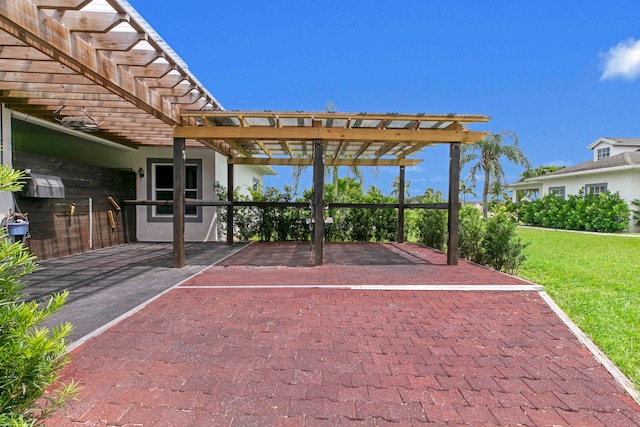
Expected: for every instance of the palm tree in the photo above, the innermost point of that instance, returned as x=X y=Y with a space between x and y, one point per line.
x=351 y=170
x=540 y=170
x=396 y=187
x=486 y=156
x=330 y=170
x=497 y=191
x=466 y=190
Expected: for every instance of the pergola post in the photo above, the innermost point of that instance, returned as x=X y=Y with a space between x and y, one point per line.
x=178 y=202
x=401 y=206
x=454 y=203
x=318 y=198
x=230 y=207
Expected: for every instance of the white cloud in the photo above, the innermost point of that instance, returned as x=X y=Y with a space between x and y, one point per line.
x=622 y=60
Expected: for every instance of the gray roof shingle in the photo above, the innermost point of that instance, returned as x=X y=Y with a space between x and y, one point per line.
x=626 y=141
x=629 y=158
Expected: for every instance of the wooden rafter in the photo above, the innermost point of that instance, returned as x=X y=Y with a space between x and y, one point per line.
x=308 y=161
x=285 y=138
x=65 y=53
x=332 y=134
x=262 y=146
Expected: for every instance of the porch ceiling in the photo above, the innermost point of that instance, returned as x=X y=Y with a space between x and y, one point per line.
x=361 y=139
x=95 y=59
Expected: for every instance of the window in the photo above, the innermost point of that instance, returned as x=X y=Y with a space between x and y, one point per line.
x=557 y=191
x=595 y=188
x=160 y=187
x=256 y=184
x=604 y=152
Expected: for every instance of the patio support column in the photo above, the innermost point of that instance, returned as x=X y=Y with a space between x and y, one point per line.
x=179 y=156
x=318 y=197
x=454 y=203
x=230 y=207
x=401 y=206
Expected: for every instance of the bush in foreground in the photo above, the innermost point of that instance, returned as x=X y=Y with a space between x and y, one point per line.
x=30 y=356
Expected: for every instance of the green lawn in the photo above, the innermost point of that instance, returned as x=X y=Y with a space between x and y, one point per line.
x=595 y=279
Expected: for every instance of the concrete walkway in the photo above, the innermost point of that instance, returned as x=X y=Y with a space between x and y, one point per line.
x=105 y=284
x=383 y=334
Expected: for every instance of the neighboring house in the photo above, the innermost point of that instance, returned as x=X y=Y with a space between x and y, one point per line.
x=126 y=107
x=615 y=167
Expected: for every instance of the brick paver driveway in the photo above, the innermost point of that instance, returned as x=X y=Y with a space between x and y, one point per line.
x=381 y=334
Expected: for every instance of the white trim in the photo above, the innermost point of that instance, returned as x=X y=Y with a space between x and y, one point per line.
x=547 y=177
x=599 y=141
x=614 y=142
x=456 y=288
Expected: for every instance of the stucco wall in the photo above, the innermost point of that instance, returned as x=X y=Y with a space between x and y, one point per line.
x=35 y=139
x=214 y=168
x=6 y=200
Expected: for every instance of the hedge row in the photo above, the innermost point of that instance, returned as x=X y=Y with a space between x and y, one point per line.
x=490 y=242
x=606 y=212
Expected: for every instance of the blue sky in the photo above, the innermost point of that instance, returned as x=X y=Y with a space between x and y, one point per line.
x=558 y=74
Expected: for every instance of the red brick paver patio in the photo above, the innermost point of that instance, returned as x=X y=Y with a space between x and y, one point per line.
x=212 y=352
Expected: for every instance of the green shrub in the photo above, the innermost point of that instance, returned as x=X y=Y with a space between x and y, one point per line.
x=30 y=356
x=431 y=224
x=360 y=224
x=384 y=221
x=606 y=212
x=470 y=232
x=501 y=247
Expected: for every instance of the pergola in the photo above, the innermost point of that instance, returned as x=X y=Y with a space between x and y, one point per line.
x=97 y=62
x=319 y=140
x=60 y=59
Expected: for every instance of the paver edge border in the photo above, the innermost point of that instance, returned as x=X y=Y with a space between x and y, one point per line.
x=461 y=288
x=615 y=372
x=108 y=325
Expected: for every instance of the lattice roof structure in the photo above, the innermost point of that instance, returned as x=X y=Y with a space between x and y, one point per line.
x=361 y=139
x=83 y=60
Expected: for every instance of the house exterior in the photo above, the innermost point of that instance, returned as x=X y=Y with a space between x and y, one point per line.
x=88 y=110
x=91 y=171
x=615 y=167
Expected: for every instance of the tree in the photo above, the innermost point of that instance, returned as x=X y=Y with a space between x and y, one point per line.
x=486 y=156
x=540 y=170
x=466 y=190
x=497 y=191
x=531 y=173
x=351 y=170
x=330 y=171
x=396 y=187
x=30 y=356
x=431 y=224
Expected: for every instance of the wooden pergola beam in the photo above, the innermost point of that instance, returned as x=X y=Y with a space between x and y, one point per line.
x=24 y=21
x=306 y=161
x=349 y=116
x=328 y=134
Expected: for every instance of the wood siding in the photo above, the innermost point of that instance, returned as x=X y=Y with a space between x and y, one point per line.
x=54 y=232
